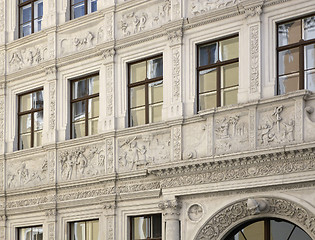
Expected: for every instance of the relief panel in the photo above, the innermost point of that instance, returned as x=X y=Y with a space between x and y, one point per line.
x=276 y=126
x=82 y=162
x=231 y=133
x=27 y=172
x=135 y=21
x=194 y=141
x=309 y=121
x=197 y=7
x=137 y=152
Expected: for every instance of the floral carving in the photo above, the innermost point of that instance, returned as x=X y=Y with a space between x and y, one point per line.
x=176 y=74
x=109 y=89
x=254 y=62
x=177 y=143
x=200 y=7
x=110 y=155
x=222 y=221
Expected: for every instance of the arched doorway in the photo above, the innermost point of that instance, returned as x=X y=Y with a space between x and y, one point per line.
x=268 y=229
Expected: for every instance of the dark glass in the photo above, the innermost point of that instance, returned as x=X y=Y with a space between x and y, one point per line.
x=208 y=54
x=38 y=99
x=79 y=89
x=78 y=10
x=155 y=68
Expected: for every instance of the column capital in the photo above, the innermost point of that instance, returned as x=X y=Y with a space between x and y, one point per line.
x=171 y=208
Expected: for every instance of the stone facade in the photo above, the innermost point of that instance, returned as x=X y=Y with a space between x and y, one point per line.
x=198 y=169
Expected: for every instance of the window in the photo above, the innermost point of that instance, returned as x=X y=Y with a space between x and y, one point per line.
x=30 y=115
x=31 y=14
x=82 y=7
x=145 y=91
x=296 y=55
x=84 y=230
x=84 y=106
x=268 y=229
x=217 y=73
x=30 y=233
x=146 y=227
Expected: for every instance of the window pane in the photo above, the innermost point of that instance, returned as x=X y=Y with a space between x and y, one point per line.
x=38 y=9
x=25 y=123
x=92 y=126
x=26 y=13
x=76 y=1
x=229 y=49
x=37 y=233
x=78 y=10
x=280 y=230
x=25 y=233
x=229 y=75
x=141 y=228
x=208 y=54
x=25 y=141
x=38 y=120
x=229 y=96
x=137 y=96
x=299 y=234
x=38 y=24
x=26 y=29
x=92 y=230
x=289 y=61
x=92 y=6
x=289 y=33
x=207 y=100
x=310 y=80
x=37 y=99
x=79 y=89
x=155 y=113
x=38 y=138
x=137 y=72
x=25 y=102
x=78 y=109
x=77 y=231
x=309 y=28
x=155 y=68
x=255 y=231
x=288 y=83
x=93 y=85
x=137 y=116
x=78 y=129
x=207 y=80
x=157 y=226
x=155 y=92
x=93 y=107
x=309 y=58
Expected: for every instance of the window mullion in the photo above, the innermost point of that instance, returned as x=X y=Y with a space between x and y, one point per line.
x=86 y=116
x=85 y=6
x=32 y=129
x=218 y=86
x=146 y=102
x=32 y=21
x=301 y=70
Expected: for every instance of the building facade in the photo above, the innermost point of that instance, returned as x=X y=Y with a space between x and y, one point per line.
x=157 y=119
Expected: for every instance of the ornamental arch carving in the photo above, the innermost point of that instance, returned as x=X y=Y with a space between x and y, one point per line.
x=236 y=213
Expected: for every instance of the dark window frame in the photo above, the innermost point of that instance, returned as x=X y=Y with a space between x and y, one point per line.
x=81 y=221
x=85 y=8
x=32 y=112
x=144 y=82
x=300 y=44
x=36 y=226
x=21 y=5
x=218 y=65
x=84 y=98
x=145 y=215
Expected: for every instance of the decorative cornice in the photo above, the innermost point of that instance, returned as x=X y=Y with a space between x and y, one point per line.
x=228 y=217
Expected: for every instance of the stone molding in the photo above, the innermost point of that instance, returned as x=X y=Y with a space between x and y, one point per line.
x=221 y=222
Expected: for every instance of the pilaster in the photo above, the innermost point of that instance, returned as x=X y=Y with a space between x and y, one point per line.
x=109 y=224
x=2 y=225
x=51 y=224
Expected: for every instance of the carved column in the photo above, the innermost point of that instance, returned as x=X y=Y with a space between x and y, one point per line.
x=107 y=116
x=2 y=22
x=171 y=215
x=51 y=221
x=109 y=214
x=49 y=134
x=252 y=15
x=2 y=117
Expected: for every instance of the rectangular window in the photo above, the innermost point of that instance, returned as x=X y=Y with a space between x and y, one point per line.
x=30 y=116
x=84 y=106
x=84 y=230
x=145 y=91
x=217 y=73
x=30 y=15
x=82 y=7
x=30 y=233
x=146 y=227
x=296 y=55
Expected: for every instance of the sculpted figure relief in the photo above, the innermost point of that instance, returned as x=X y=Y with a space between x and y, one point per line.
x=139 y=151
x=200 y=6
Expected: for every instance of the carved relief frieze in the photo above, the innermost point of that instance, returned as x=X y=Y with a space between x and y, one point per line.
x=27 y=173
x=194 y=141
x=51 y=156
x=52 y=110
x=1 y=176
x=2 y=63
x=231 y=133
x=198 y=7
x=136 y=187
x=139 y=151
x=195 y=212
x=109 y=26
x=82 y=162
x=2 y=22
x=110 y=155
x=18 y=202
x=27 y=57
x=277 y=126
x=138 y=20
x=309 y=121
x=176 y=74
x=254 y=58
x=177 y=143
x=2 y=117
x=81 y=42
x=51 y=231
x=175 y=37
x=176 y=9
x=223 y=220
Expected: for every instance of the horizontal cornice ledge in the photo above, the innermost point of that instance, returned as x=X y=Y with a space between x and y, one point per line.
x=146 y=194
x=130 y=4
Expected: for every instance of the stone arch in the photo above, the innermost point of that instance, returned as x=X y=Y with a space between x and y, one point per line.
x=226 y=219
